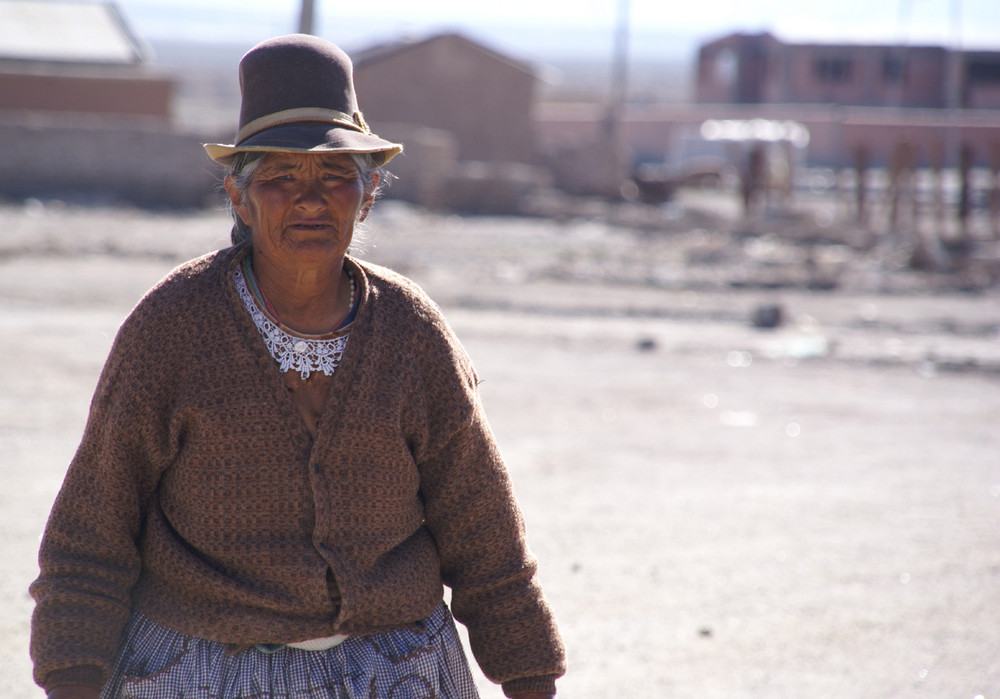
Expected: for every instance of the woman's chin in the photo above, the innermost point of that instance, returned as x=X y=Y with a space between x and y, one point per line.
x=315 y=250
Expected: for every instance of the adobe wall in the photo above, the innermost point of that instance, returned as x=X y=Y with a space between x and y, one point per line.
x=835 y=133
x=96 y=94
x=145 y=162
x=94 y=158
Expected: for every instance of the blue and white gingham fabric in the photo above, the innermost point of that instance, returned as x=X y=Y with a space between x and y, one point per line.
x=158 y=663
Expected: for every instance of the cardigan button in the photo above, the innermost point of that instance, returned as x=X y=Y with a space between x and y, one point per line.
x=315 y=468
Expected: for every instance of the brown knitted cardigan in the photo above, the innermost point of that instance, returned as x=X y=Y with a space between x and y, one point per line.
x=198 y=496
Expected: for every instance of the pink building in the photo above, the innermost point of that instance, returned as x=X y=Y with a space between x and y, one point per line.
x=760 y=69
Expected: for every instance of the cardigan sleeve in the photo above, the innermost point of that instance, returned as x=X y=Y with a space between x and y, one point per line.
x=472 y=512
x=89 y=559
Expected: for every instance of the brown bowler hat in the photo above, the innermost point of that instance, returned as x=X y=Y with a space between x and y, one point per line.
x=298 y=96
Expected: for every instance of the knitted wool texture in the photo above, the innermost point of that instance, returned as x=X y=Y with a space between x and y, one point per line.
x=198 y=496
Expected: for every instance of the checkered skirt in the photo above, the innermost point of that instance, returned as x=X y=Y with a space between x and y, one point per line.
x=158 y=663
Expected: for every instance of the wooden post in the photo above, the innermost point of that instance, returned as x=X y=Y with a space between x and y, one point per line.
x=937 y=195
x=900 y=180
x=966 y=159
x=995 y=190
x=861 y=184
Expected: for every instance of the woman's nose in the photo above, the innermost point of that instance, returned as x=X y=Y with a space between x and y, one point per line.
x=309 y=191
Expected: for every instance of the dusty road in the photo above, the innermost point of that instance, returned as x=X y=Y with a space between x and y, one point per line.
x=720 y=511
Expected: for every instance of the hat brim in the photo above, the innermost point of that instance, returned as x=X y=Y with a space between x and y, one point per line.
x=308 y=137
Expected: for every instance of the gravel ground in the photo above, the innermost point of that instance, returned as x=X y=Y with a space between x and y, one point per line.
x=720 y=510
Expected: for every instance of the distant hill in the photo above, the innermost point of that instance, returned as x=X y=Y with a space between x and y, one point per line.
x=208 y=93
x=197 y=54
x=650 y=81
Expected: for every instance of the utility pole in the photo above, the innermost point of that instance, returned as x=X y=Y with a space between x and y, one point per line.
x=306 y=17
x=618 y=93
x=612 y=151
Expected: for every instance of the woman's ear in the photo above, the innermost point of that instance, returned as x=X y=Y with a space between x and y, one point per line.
x=366 y=204
x=236 y=198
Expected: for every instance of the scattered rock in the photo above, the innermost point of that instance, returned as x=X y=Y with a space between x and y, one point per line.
x=768 y=316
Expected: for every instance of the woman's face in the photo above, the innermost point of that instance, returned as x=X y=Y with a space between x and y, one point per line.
x=302 y=207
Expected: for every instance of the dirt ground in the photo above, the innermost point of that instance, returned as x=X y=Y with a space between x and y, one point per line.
x=720 y=509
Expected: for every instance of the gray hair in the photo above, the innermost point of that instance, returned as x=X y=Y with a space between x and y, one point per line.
x=243 y=165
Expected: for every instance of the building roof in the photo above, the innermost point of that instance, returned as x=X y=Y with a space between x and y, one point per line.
x=376 y=54
x=64 y=31
x=772 y=40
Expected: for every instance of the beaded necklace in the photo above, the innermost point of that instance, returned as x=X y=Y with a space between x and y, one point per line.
x=262 y=300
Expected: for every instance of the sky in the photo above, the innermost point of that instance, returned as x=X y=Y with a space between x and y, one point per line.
x=582 y=28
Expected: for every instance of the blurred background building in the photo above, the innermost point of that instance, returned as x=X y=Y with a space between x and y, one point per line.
x=85 y=113
x=760 y=69
x=86 y=110
x=466 y=115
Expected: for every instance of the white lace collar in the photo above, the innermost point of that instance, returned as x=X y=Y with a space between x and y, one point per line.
x=302 y=354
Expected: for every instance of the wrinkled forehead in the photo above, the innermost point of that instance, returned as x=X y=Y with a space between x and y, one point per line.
x=309 y=161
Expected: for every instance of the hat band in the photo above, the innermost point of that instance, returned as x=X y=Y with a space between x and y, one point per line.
x=356 y=122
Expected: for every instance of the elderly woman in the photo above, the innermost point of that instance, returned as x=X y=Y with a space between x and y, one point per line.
x=286 y=457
